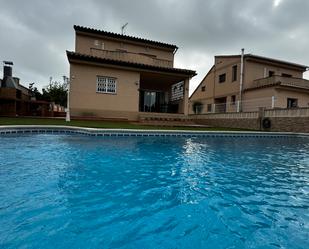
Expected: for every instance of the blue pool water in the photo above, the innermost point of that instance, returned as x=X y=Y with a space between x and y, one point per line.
x=61 y=191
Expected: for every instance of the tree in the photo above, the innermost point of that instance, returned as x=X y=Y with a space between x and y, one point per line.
x=35 y=92
x=56 y=92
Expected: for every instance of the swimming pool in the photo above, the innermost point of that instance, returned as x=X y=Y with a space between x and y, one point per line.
x=74 y=191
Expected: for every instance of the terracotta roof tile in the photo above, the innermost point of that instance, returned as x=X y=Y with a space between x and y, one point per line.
x=258 y=57
x=125 y=37
x=89 y=58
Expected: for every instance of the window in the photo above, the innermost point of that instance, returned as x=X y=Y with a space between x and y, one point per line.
x=292 y=103
x=203 y=88
x=286 y=75
x=222 y=78
x=106 y=84
x=271 y=73
x=265 y=72
x=209 y=107
x=233 y=100
x=98 y=44
x=234 y=73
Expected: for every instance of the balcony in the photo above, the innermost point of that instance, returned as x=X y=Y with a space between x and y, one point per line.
x=282 y=81
x=131 y=57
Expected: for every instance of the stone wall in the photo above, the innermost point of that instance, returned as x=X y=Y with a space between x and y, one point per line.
x=291 y=120
x=290 y=124
x=241 y=123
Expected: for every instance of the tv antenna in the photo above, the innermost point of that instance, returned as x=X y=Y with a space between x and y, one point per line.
x=123 y=28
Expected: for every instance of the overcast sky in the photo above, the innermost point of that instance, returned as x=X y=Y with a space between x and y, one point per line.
x=36 y=33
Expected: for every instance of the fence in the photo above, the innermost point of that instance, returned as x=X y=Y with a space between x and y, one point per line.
x=291 y=120
x=250 y=105
x=295 y=112
x=262 y=112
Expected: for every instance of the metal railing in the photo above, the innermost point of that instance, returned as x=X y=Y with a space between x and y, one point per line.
x=251 y=105
x=250 y=109
x=130 y=57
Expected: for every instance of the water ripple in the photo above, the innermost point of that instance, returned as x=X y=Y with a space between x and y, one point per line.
x=84 y=192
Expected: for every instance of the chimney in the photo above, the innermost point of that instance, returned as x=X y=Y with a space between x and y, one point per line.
x=8 y=81
x=7 y=69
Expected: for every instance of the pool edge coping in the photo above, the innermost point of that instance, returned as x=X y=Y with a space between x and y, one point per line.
x=13 y=129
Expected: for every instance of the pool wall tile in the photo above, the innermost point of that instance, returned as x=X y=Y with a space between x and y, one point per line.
x=7 y=130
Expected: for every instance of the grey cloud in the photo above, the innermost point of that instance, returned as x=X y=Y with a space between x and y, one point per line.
x=35 y=34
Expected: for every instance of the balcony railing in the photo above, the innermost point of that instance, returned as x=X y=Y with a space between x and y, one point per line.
x=130 y=57
x=284 y=81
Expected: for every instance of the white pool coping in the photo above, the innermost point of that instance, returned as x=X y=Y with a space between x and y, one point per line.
x=13 y=129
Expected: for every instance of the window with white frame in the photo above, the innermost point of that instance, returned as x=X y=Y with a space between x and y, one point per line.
x=106 y=84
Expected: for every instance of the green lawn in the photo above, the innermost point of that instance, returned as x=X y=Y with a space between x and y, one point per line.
x=98 y=124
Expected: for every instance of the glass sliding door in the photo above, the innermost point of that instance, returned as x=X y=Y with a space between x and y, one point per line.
x=149 y=101
x=152 y=101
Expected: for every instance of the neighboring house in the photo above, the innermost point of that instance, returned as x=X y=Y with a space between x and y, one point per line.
x=15 y=99
x=267 y=82
x=120 y=76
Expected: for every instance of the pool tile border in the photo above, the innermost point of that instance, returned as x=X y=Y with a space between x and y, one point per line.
x=23 y=129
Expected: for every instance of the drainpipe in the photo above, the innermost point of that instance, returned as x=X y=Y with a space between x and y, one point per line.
x=241 y=78
x=174 y=52
x=68 y=81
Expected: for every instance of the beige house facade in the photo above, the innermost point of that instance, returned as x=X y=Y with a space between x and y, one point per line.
x=119 y=76
x=245 y=83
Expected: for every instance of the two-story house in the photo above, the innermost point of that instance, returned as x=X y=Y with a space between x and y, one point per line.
x=119 y=76
x=247 y=82
x=14 y=97
x=17 y=100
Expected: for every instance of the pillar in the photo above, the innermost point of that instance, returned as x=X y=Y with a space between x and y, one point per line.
x=186 y=97
x=273 y=99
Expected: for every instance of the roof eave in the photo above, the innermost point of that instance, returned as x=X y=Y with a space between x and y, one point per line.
x=276 y=61
x=78 y=28
x=72 y=56
x=202 y=81
x=257 y=57
x=277 y=85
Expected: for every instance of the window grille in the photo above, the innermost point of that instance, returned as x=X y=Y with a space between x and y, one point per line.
x=106 y=84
